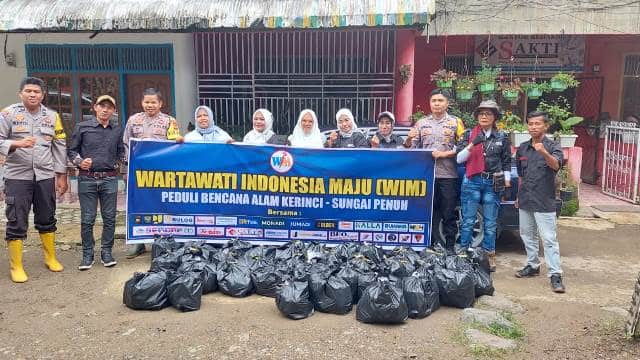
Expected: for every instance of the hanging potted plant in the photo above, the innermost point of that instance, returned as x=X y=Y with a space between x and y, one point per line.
x=443 y=78
x=534 y=89
x=561 y=81
x=486 y=78
x=511 y=90
x=465 y=89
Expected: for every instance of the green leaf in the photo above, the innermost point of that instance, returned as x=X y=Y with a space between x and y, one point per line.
x=571 y=122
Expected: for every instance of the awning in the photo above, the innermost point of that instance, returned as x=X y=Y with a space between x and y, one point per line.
x=198 y=15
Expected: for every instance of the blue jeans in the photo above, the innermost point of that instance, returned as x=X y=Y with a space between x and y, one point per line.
x=91 y=191
x=545 y=224
x=476 y=191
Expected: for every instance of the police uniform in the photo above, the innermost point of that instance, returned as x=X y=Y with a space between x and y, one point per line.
x=30 y=178
x=442 y=135
x=142 y=126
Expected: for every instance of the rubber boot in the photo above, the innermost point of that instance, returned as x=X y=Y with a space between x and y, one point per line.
x=49 y=248
x=15 y=260
x=492 y=261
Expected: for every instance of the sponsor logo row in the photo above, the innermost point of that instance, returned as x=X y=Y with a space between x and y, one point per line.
x=206 y=220
x=246 y=232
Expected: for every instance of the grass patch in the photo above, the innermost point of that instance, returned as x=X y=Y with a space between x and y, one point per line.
x=483 y=352
x=515 y=333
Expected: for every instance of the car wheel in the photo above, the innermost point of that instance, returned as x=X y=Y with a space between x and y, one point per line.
x=478 y=229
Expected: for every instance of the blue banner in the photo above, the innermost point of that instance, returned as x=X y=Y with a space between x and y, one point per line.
x=273 y=194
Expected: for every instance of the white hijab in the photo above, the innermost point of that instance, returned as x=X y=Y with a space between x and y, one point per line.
x=255 y=137
x=312 y=140
x=354 y=126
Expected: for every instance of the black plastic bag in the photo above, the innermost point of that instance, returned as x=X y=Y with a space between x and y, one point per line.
x=315 y=252
x=421 y=295
x=458 y=263
x=362 y=264
x=235 y=280
x=166 y=262
x=261 y=253
x=479 y=257
x=266 y=280
x=350 y=276
x=406 y=253
x=208 y=272
x=382 y=303
x=330 y=295
x=364 y=281
x=194 y=252
x=483 y=282
x=345 y=251
x=372 y=252
x=146 y=291
x=293 y=300
x=456 y=288
x=399 y=267
x=162 y=245
x=293 y=249
x=238 y=246
x=184 y=290
x=433 y=258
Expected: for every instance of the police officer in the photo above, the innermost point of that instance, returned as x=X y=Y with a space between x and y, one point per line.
x=487 y=154
x=439 y=132
x=150 y=124
x=33 y=140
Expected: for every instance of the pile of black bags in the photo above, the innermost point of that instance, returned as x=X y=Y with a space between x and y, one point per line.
x=385 y=286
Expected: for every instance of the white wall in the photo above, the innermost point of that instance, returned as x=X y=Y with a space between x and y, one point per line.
x=184 y=62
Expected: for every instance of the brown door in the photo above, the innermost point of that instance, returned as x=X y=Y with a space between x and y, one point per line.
x=136 y=84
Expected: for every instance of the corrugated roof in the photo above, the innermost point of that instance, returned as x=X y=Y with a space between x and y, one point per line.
x=167 y=15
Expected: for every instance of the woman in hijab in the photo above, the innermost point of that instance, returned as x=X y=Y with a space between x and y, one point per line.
x=206 y=129
x=262 y=125
x=347 y=135
x=385 y=138
x=307 y=134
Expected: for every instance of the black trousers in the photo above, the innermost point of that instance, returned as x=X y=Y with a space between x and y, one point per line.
x=19 y=196
x=445 y=198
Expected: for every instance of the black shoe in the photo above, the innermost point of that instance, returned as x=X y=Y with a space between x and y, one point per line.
x=527 y=271
x=556 y=284
x=107 y=259
x=86 y=263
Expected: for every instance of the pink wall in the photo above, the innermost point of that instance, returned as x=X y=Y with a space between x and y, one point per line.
x=608 y=51
x=405 y=55
x=429 y=57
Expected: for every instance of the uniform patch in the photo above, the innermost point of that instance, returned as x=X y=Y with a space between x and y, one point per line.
x=19 y=117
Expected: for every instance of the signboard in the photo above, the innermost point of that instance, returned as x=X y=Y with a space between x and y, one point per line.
x=550 y=52
x=268 y=194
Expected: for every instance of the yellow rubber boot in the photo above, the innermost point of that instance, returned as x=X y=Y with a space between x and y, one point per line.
x=48 y=246
x=15 y=260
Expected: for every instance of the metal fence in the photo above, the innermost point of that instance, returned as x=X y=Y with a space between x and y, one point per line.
x=287 y=71
x=621 y=163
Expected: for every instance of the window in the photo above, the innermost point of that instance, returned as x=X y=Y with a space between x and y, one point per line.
x=631 y=89
x=76 y=75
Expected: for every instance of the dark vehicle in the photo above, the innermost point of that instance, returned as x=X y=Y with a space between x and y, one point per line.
x=508 y=218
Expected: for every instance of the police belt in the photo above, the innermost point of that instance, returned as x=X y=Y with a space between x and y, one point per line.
x=98 y=174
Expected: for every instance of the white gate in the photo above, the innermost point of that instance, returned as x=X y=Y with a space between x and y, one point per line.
x=621 y=161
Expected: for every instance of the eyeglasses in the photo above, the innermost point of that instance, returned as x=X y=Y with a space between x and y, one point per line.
x=485 y=113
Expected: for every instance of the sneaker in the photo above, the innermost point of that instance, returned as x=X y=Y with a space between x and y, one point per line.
x=527 y=271
x=107 y=259
x=136 y=250
x=556 y=284
x=86 y=263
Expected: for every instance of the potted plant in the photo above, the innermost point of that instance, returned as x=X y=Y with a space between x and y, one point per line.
x=443 y=78
x=567 y=188
x=534 y=89
x=486 y=78
x=512 y=123
x=466 y=117
x=465 y=89
x=511 y=90
x=566 y=134
x=561 y=81
x=560 y=114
